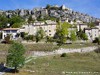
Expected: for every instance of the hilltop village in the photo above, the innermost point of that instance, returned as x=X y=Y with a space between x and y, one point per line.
x=27 y=24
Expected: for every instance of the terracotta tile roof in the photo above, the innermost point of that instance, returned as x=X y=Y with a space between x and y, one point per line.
x=10 y=28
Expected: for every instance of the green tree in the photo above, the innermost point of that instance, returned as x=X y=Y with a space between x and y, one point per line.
x=91 y=24
x=30 y=19
x=61 y=37
x=3 y=21
x=16 y=21
x=15 y=57
x=29 y=37
x=40 y=34
x=62 y=32
x=23 y=34
x=84 y=36
x=73 y=36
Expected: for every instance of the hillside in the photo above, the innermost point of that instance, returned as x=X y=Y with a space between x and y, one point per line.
x=50 y=12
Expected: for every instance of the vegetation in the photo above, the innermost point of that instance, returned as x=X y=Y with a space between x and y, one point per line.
x=23 y=35
x=14 y=21
x=73 y=36
x=97 y=40
x=63 y=55
x=56 y=65
x=62 y=33
x=30 y=19
x=51 y=7
x=8 y=40
x=29 y=37
x=91 y=24
x=82 y=35
x=0 y=35
x=3 y=21
x=40 y=34
x=15 y=57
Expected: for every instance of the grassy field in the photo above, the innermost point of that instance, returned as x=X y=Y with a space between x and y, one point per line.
x=56 y=65
x=39 y=47
x=46 y=46
x=78 y=45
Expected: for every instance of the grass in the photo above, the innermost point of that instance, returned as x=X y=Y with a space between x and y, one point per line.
x=41 y=47
x=56 y=65
x=78 y=45
x=46 y=46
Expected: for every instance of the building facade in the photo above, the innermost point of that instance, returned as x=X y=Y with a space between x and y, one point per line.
x=92 y=33
x=12 y=32
x=49 y=28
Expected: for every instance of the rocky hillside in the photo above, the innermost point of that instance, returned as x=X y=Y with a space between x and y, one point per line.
x=49 y=12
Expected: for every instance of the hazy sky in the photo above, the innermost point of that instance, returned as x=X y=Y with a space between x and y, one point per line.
x=91 y=7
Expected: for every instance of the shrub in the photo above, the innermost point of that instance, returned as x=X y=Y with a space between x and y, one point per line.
x=97 y=40
x=29 y=37
x=7 y=38
x=63 y=55
x=0 y=35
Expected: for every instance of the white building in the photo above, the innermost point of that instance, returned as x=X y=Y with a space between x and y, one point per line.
x=81 y=26
x=49 y=27
x=92 y=33
x=10 y=31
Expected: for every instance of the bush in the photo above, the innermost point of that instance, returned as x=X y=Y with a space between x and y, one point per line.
x=97 y=40
x=23 y=34
x=7 y=38
x=0 y=35
x=63 y=55
x=29 y=37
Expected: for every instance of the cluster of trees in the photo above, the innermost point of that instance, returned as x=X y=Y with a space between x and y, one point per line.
x=62 y=33
x=14 y=21
x=82 y=35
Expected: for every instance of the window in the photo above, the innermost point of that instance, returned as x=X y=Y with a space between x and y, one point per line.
x=50 y=34
x=7 y=31
x=49 y=30
x=14 y=31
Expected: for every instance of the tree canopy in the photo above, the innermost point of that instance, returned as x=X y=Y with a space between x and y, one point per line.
x=40 y=34
x=73 y=36
x=62 y=32
x=15 y=57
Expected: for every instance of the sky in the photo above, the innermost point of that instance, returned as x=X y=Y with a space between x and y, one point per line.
x=91 y=7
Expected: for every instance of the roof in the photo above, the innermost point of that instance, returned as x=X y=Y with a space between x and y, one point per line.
x=83 y=24
x=1 y=28
x=90 y=28
x=94 y=28
x=87 y=28
x=10 y=28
